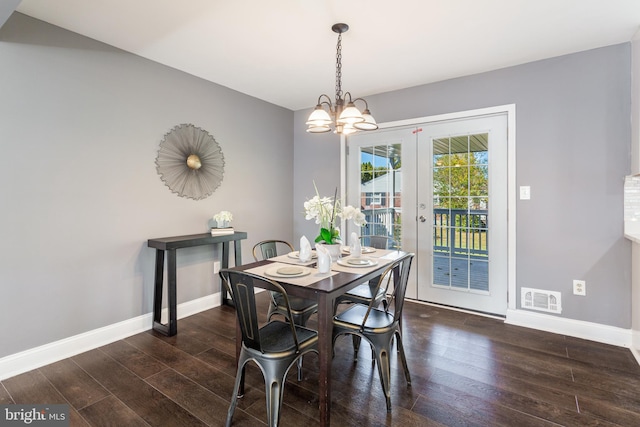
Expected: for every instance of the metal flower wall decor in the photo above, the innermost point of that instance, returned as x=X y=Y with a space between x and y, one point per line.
x=190 y=162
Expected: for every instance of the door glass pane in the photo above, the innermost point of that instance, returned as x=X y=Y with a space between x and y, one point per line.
x=380 y=194
x=460 y=177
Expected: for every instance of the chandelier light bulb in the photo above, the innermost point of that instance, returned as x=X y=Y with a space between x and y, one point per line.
x=319 y=117
x=348 y=129
x=368 y=123
x=350 y=115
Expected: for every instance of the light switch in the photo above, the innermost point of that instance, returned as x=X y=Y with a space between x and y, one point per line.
x=525 y=192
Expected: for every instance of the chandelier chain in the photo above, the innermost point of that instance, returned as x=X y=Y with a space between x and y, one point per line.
x=339 y=68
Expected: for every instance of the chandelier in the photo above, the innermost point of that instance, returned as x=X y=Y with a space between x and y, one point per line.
x=343 y=113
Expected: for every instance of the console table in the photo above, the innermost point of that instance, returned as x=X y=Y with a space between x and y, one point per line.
x=170 y=244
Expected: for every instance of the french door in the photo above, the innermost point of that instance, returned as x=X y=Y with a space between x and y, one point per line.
x=440 y=189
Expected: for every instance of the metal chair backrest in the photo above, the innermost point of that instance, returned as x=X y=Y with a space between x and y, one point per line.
x=241 y=286
x=397 y=274
x=397 y=298
x=377 y=242
x=270 y=248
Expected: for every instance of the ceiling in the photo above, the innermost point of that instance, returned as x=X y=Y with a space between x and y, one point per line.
x=283 y=51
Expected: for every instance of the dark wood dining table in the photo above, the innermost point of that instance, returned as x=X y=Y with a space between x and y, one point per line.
x=324 y=291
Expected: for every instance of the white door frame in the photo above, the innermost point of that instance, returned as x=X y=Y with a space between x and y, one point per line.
x=510 y=110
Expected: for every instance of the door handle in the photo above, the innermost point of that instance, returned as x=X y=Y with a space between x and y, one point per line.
x=422 y=218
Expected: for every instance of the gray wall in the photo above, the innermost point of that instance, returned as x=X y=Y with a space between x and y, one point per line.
x=80 y=126
x=573 y=149
x=6 y=9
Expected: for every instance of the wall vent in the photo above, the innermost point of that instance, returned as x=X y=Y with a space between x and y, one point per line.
x=538 y=299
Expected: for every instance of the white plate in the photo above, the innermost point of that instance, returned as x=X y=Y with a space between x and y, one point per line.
x=357 y=262
x=291 y=271
x=296 y=254
x=365 y=249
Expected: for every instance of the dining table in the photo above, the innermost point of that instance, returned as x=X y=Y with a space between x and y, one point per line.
x=345 y=274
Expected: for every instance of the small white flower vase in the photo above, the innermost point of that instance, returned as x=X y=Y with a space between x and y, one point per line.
x=222 y=223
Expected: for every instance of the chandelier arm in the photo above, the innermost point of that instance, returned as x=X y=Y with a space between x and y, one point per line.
x=348 y=94
x=366 y=105
x=327 y=102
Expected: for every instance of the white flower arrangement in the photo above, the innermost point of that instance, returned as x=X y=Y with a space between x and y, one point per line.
x=326 y=211
x=223 y=217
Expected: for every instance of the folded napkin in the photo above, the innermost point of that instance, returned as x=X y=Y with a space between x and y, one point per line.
x=305 y=250
x=324 y=259
x=354 y=246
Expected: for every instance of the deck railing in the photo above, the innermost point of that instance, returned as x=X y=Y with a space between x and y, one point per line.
x=456 y=232
x=382 y=222
x=460 y=232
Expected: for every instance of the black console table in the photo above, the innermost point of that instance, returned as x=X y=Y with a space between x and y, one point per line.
x=170 y=244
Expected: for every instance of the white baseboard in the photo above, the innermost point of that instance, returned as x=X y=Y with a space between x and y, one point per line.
x=28 y=360
x=635 y=345
x=574 y=328
x=636 y=354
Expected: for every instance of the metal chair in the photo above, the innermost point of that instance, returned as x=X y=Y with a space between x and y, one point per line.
x=274 y=347
x=300 y=309
x=378 y=242
x=380 y=326
x=271 y=248
x=364 y=293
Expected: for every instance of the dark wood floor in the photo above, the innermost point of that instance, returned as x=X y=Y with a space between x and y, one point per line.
x=467 y=371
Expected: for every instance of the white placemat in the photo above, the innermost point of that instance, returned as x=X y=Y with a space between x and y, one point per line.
x=289 y=260
x=360 y=270
x=379 y=253
x=366 y=250
x=307 y=280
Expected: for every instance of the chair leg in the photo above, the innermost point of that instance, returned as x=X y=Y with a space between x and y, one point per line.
x=384 y=368
x=301 y=321
x=274 y=402
x=240 y=391
x=237 y=392
x=356 y=346
x=274 y=383
x=403 y=358
x=300 y=368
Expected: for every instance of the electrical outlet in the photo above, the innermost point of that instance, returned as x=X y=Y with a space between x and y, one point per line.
x=216 y=267
x=580 y=287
